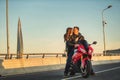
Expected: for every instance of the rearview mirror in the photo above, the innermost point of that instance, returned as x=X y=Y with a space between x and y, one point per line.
x=95 y=42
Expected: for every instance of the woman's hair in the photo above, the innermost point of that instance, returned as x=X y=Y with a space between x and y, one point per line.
x=67 y=34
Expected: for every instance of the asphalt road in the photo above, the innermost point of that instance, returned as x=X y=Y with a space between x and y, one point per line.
x=103 y=72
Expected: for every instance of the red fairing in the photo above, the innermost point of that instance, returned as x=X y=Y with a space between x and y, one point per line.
x=76 y=57
x=80 y=51
x=90 y=52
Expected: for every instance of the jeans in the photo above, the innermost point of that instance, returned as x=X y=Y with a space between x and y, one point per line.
x=68 y=62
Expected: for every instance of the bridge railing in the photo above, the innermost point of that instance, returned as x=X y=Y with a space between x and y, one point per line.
x=33 y=55
x=108 y=54
x=43 y=55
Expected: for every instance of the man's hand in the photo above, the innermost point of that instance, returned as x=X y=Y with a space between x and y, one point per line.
x=76 y=45
x=77 y=39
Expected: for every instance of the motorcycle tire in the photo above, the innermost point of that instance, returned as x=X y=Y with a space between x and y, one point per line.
x=86 y=70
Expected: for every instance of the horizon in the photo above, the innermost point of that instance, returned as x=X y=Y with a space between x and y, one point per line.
x=44 y=23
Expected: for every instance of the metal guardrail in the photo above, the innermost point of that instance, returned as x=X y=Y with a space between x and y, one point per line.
x=108 y=54
x=33 y=55
x=43 y=55
x=97 y=54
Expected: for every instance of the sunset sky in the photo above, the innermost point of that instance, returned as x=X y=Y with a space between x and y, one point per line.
x=44 y=23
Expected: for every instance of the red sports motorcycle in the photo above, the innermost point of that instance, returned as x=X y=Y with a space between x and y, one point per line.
x=81 y=60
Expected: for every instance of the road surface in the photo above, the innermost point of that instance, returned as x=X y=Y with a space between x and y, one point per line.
x=103 y=72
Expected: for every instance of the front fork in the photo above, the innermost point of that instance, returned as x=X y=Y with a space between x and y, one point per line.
x=83 y=61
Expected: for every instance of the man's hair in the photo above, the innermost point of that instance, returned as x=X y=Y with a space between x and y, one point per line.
x=76 y=27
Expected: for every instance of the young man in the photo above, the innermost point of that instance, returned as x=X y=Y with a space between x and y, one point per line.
x=71 y=43
x=80 y=40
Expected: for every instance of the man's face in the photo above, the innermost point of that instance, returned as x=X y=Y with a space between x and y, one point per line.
x=75 y=31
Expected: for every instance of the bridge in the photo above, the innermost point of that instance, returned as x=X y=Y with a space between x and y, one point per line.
x=44 y=66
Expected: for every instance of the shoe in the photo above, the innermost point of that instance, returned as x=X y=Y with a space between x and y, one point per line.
x=0 y=75
x=72 y=73
x=93 y=73
x=65 y=74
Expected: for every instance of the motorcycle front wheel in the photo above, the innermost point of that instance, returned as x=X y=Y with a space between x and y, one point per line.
x=86 y=70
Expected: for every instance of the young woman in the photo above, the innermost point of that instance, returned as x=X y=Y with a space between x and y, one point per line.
x=67 y=37
x=67 y=40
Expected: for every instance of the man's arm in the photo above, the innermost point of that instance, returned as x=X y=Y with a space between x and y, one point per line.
x=70 y=43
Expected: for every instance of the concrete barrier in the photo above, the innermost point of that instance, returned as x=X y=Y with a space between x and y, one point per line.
x=21 y=66
x=31 y=62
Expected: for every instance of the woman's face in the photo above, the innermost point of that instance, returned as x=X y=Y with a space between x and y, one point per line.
x=71 y=32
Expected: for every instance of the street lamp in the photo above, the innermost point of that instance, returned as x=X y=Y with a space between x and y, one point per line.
x=7 y=30
x=103 y=23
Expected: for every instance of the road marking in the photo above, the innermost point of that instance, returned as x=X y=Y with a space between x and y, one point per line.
x=75 y=77
x=107 y=70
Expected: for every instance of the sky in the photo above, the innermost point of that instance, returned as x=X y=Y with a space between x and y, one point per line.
x=44 y=23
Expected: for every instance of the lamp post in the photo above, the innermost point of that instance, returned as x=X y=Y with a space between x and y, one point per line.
x=103 y=23
x=7 y=30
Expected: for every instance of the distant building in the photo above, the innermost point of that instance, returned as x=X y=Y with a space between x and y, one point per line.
x=113 y=52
